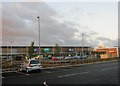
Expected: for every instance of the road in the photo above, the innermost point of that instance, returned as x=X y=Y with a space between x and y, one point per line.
x=97 y=73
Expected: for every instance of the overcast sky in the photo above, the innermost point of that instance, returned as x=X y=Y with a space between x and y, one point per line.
x=60 y=22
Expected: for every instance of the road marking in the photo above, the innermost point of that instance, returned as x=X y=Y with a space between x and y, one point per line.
x=108 y=68
x=40 y=73
x=20 y=72
x=73 y=74
x=48 y=72
x=2 y=77
x=11 y=76
x=33 y=73
x=23 y=74
x=7 y=72
x=27 y=74
x=101 y=65
x=92 y=66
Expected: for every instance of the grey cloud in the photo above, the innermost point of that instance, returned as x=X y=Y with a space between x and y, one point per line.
x=104 y=39
x=107 y=42
x=20 y=24
x=57 y=31
x=92 y=33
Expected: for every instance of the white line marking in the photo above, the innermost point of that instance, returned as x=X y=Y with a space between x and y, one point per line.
x=73 y=74
x=103 y=65
x=7 y=71
x=48 y=72
x=108 y=68
x=20 y=72
x=2 y=77
x=27 y=74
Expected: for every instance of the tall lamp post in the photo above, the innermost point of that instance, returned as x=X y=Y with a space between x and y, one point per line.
x=82 y=43
x=7 y=52
x=39 y=33
x=76 y=49
x=61 y=48
x=11 y=52
x=53 y=51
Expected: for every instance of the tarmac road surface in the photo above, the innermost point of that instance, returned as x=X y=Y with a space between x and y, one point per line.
x=100 y=73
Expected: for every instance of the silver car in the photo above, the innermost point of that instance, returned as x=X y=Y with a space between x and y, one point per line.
x=30 y=65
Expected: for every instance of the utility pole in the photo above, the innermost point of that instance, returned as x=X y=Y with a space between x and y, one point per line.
x=39 y=34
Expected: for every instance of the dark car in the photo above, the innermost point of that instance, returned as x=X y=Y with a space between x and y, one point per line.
x=18 y=57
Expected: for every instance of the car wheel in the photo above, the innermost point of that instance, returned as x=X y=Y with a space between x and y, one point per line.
x=40 y=70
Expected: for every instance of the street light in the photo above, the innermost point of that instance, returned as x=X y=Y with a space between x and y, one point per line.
x=61 y=47
x=82 y=43
x=7 y=52
x=11 y=52
x=39 y=33
x=76 y=49
x=53 y=51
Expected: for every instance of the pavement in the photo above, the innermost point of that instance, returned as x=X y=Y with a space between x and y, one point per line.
x=97 y=73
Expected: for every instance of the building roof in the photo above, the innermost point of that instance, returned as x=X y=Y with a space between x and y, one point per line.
x=64 y=46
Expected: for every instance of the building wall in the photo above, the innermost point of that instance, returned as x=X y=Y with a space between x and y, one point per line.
x=23 y=50
x=109 y=52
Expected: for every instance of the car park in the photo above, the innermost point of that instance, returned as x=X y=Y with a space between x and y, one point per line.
x=30 y=65
x=60 y=57
x=18 y=57
x=68 y=57
x=77 y=57
x=84 y=57
x=44 y=58
x=55 y=58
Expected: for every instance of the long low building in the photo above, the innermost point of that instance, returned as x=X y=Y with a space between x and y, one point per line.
x=46 y=50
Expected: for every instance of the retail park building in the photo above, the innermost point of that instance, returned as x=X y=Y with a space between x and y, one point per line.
x=101 y=52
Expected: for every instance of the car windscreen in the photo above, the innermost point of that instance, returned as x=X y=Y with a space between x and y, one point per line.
x=34 y=62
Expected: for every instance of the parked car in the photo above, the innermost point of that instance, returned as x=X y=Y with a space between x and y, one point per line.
x=18 y=57
x=45 y=58
x=68 y=57
x=30 y=65
x=55 y=58
x=84 y=57
x=77 y=57
x=60 y=57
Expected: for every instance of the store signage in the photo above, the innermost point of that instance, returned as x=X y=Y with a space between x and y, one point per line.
x=46 y=50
